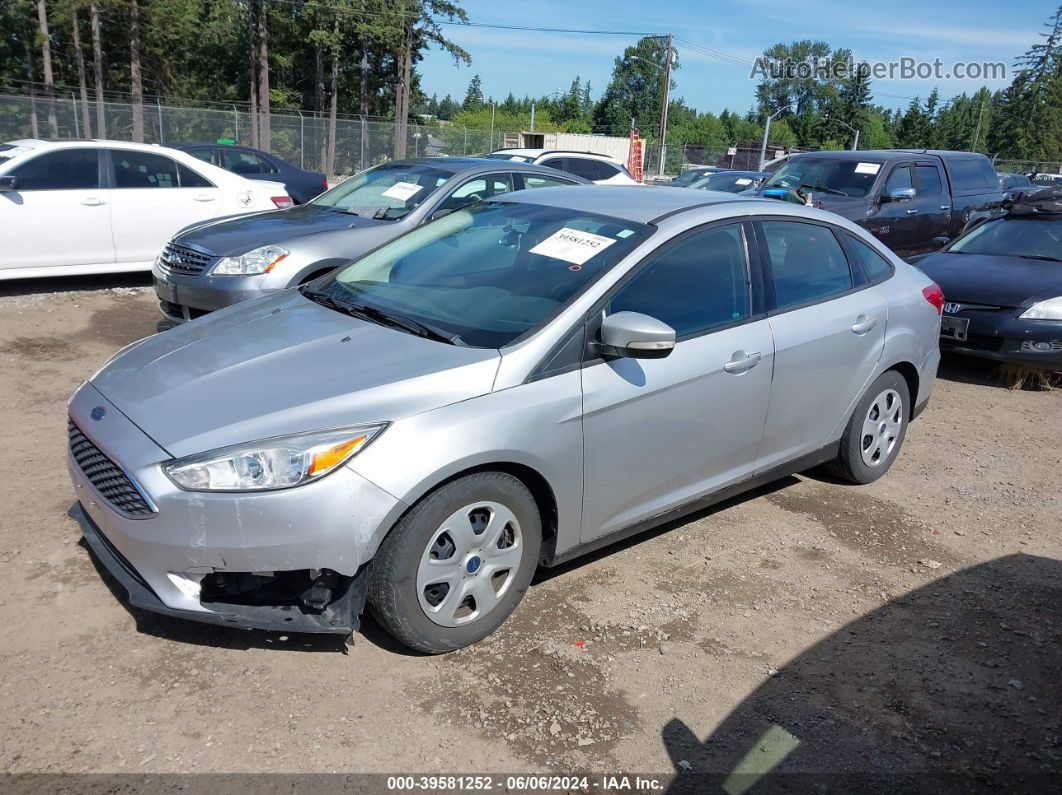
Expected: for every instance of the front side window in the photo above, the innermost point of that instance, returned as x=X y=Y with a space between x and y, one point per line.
x=807 y=262
x=486 y=273
x=387 y=192
x=70 y=169
x=143 y=170
x=206 y=155
x=478 y=189
x=694 y=285
x=899 y=179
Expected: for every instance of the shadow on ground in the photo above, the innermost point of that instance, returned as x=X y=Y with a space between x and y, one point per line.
x=64 y=284
x=954 y=687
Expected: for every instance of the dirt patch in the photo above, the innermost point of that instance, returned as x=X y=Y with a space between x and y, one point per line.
x=41 y=349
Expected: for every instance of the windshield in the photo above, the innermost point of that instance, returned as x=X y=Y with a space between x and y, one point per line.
x=724 y=181
x=1014 y=237
x=488 y=273
x=387 y=192
x=691 y=175
x=830 y=175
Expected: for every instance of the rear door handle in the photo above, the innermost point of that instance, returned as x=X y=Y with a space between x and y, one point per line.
x=92 y=202
x=204 y=197
x=864 y=324
x=741 y=361
x=945 y=206
x=912 y=212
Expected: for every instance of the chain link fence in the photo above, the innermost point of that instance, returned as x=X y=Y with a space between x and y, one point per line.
x=300 y=138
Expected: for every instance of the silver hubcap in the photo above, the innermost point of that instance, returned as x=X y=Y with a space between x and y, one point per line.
x=469 y=564
x=881 y=428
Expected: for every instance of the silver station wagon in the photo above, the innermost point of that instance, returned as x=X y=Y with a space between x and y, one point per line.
x=509 y=386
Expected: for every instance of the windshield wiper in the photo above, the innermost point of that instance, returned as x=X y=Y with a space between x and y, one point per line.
x=417 y=327
x=323 y=298
x=1044 y=257
x=820 y=186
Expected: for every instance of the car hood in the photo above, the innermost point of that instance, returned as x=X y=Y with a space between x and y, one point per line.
x=991 y=279
x=283 y=364
x=229 y=237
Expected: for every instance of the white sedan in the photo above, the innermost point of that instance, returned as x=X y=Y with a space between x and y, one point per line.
x=76 y=207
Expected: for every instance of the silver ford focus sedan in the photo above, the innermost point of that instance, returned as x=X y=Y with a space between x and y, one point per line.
x=512 y=385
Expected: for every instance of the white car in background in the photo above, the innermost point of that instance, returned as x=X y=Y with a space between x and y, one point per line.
x=601 y=169
x=78 y=207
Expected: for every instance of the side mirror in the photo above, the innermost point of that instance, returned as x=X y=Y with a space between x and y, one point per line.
x=637 y=336
x=940 y=241
x=8 y=182
x=899 y=195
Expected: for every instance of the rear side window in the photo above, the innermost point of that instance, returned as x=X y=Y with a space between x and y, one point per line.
x=807 y=263
x=143 y=170
x=875 y=266
x=70 y=169
x=240 y=162
x=206 y=155
x=928 y=180
x=972 y=174
x=192 y=179
x=540 y=181
x=587 y=169
x=697 y=284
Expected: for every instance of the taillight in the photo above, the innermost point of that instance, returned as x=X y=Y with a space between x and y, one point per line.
x=283 y=202
x=935 y=296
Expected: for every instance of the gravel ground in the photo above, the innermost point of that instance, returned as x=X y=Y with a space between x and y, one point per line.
x=904 y=629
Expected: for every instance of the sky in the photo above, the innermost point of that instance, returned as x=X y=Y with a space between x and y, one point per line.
x=536 y=63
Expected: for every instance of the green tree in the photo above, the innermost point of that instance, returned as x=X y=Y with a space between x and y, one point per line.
x=473 y=95
x=633 y=94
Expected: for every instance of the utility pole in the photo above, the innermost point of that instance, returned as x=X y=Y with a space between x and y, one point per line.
x=977 y=131
x=665 y=98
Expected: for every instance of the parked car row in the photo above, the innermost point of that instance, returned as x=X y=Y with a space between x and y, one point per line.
x=489 y=366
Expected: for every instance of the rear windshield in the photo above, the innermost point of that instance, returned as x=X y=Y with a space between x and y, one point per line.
x=387 y=192
x=972 y=174
x=1037 y=238
x=487 y=273
x=852 y=178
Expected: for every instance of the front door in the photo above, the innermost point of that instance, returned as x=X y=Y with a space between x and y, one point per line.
x=829 y=332
x=660 y=432
x=60 y=215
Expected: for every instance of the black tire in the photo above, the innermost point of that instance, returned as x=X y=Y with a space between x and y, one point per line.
x=849 y=464
x=393 y=597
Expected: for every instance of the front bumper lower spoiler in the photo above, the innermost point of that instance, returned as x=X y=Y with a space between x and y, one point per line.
x=341 y=616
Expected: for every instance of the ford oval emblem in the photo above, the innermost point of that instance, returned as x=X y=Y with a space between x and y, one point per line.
x=98 y=413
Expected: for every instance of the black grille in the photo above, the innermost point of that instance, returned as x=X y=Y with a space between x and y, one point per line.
x=979 y=342
x=181 y=259
x=105 y=476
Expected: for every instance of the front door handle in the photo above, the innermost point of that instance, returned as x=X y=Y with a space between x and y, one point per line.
x=92 y=202
x=204 y=197
x=864 y=324
x=945 y=206
x=741 y=362
x=912 y=212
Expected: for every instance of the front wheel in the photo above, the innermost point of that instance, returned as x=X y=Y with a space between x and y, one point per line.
x=875 y=432
x=455 y=567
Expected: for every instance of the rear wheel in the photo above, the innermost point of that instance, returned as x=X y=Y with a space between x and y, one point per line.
x=456 y=566
x=875 y=432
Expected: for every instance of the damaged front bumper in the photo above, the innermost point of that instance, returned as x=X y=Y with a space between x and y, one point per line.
x=292 y=560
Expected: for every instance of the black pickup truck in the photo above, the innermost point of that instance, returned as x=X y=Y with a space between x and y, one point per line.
x=914 y=201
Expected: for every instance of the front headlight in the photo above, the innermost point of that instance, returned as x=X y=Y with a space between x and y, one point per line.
x=261 y=260
x=277 y=463
x=1051 y=309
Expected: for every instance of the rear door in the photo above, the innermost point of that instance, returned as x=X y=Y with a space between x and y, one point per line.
x=60 y=214
x=932 y=202
x=657 y=433
x=828 y=325
x=153 y=196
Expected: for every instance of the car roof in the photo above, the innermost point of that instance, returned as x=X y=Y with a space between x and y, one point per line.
x=460 y=165
x=630 y=202
x=541 y=152
x=883 y=154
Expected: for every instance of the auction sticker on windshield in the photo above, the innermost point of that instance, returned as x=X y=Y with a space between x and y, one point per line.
x=572 y=245
x=402 y=191
x=868 y=168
